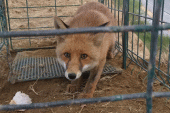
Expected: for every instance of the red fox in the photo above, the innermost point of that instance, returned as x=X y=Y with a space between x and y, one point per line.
x=79 y=53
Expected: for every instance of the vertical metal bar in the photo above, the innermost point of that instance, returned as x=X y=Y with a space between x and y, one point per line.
x=115 y=9
x=37 y=67
x=153 y=8
x=41 y=67
x=49 y=69
x=105 y=2
x=28 y=20
x=9 y=26
x=133 y=23
x=20 y=68
x=51 y=63
x=125 y=34
x=146 y=10
x=3 y=21
x=23 y=69
x=5 y=28
x=26 y=68
x=153 y=46
x=29 y=68
x=101 y=1
x=138 y=32
x=55 y=7
x=118 y=20
x=108 y=3
x=33 y=68
x=168 y=64
x=7 y=18
x=160 y=51
x=44 y=68
x=122 y=16
x=7 y=9
x=111 y=6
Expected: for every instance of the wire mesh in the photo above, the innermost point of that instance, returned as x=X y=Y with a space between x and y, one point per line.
x=30 y=15
x=137 y=51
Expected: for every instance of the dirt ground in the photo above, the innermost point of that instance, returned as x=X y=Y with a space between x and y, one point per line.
x=131 y=80
x=55 y=89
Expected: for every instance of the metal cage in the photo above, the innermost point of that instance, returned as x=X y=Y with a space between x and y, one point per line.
x=132 y=20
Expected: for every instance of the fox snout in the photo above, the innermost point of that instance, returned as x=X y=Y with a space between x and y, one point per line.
x=72 y=76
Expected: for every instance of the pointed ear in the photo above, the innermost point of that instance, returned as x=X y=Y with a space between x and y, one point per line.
x=103 y=25
x=59 y=24
x=61 y=39
x=98 y=38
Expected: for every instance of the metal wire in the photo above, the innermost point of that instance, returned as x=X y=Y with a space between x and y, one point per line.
x=151 y=67
x=83 y=101
x=139 y=28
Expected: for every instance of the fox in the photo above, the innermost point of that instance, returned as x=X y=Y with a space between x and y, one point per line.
x=79 y=53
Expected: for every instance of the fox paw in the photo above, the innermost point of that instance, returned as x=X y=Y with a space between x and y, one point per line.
x=72 y=88
x=110 y=55
x=85 y=95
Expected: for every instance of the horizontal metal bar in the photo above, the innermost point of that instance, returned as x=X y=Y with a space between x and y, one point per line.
x=22 y=38
x=32 y=28
x=31 y=49
x=37 y=17
x=137 y=15
x=139 y=28
x=43 y=6
x=161 y=94
x=83 y=101
x=73 y=102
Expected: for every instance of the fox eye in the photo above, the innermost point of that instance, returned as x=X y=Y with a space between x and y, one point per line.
x=84 y=56
x=67 y=55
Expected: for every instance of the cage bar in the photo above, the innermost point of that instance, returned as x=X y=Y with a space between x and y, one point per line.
x=153 y=51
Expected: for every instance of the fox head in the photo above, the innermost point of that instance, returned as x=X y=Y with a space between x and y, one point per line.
x=77 y=53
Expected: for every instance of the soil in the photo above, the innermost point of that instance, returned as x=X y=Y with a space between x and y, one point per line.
x=131 y=80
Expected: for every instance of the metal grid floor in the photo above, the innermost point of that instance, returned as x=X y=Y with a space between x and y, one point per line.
x=33 y=68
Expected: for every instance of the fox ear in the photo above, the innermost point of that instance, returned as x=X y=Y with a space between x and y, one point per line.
x=98 y=37
x=103 y=25
x=59 y=24
x=60 y=39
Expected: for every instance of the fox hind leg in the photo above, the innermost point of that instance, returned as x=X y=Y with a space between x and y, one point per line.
x=112 y=50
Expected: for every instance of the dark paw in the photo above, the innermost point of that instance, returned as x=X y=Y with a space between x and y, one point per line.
x=110 y=55
x=85 y=95
x=72 y=88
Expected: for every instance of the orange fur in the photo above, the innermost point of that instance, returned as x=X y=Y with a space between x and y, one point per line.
x=95 y=47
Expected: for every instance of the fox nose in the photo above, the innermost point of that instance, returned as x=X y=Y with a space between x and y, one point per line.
x=72 y=76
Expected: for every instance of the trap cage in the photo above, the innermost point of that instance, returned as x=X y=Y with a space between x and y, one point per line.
x=137 y=39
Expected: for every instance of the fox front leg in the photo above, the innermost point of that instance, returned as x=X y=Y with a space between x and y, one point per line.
x=112 y=51
x=75 y=85
x=92 y=81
